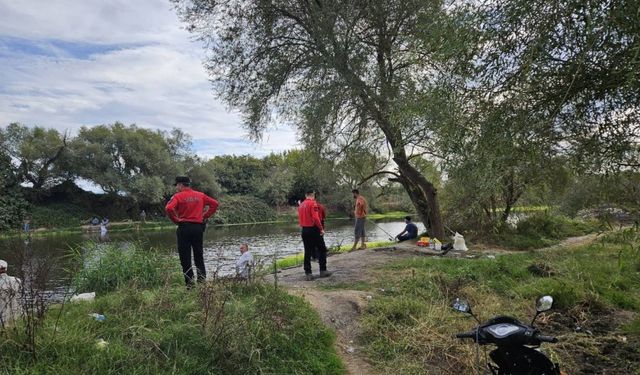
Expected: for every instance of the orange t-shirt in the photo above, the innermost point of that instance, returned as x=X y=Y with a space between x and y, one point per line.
x=361 y=207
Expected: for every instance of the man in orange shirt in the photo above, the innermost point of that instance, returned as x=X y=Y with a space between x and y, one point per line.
x=361 y=217
x=312 y=232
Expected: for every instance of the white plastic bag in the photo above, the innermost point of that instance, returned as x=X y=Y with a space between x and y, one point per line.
x=458 y=243
x=84 y=297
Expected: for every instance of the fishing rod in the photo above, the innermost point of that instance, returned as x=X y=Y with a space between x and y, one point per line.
x=391 y=238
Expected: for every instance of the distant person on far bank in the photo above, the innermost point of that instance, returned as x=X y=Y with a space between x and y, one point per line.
x=143 y=216
x=410 y=230
x=186 y=208
x=244 y=263
x=312 y=232
x=360 y=213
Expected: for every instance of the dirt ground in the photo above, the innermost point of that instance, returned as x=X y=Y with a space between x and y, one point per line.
x=341 y=309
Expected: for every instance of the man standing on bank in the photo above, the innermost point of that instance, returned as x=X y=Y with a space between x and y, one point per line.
x=312 y=232
x=361 y=217
x=187 y=209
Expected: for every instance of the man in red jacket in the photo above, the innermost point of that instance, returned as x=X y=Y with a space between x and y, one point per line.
x=187 y=209
x=312 y=232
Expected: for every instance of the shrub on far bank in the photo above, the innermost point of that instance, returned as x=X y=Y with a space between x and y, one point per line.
x=243 y=209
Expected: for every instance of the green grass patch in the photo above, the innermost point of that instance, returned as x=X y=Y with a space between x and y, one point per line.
x=408 y=325
x=160 y=327
x=297 y=259
x=108 y=267
x=540 y=230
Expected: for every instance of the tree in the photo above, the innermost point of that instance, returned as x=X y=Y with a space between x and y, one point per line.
x=343 y=71
x=128 y=160
x=37 y=152
x=573 y=66
x=12 y=204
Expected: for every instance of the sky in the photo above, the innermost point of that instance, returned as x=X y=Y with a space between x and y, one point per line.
x=71 y=63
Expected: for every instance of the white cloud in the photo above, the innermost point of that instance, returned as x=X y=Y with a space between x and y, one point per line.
x=141 y=67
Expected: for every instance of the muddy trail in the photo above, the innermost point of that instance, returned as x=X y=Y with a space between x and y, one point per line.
x=341 y=306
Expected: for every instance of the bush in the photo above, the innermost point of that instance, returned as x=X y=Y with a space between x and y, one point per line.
x=58 y=215
x=236 y=209
x=540 y=230
x=108 y=267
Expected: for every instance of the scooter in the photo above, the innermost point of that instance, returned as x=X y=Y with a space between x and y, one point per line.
x=516 y=343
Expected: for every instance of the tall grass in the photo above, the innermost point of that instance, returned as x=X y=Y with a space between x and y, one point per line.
x=108 y=267
x=154 y=325
x=408 y=325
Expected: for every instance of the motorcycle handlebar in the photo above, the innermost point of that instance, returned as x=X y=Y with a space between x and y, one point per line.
x=466 y=335
x=543 y=338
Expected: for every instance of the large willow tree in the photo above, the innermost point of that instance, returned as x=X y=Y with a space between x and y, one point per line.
x=346 y=73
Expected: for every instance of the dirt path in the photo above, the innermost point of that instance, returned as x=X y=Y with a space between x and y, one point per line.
x=340 y=307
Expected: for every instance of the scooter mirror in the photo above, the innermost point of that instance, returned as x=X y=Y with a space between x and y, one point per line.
x=544 y=303
x=460 y=304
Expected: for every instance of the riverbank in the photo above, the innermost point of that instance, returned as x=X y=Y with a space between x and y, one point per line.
x=391 y=310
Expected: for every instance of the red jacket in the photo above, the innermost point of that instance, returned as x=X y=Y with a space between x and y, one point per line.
x=188 y=206
x=308 y=214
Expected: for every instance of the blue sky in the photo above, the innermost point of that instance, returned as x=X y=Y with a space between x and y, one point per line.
x=66 y=63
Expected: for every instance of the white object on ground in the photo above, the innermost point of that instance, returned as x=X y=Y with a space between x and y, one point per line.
x=458 y=243
x=83 y=297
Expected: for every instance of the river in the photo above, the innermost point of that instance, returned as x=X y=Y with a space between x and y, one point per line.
x=221 y=243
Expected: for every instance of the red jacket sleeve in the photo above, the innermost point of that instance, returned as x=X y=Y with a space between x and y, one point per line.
x=315 y=213
x=212 y=204
x=170 y=209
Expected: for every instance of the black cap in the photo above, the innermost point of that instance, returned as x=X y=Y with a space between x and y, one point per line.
x=408 y=218
x=183 y=180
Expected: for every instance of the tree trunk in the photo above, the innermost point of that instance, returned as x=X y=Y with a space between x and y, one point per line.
x=423 y=195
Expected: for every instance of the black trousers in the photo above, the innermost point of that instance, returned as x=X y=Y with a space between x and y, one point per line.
x=313 y=244
x=190 y=237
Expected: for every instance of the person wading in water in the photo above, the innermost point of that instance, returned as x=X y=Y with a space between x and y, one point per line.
x=187 y=209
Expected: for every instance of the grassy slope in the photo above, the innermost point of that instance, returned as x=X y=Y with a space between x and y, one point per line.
x=163 y=331
x=155 y=326
x=408 y=326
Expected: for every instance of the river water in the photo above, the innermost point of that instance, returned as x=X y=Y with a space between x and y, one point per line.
x=266 y=241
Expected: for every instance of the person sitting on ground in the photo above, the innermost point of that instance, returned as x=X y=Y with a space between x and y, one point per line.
x=95 y=221
x=9 y=295
x=410 y=230
x=244 y=262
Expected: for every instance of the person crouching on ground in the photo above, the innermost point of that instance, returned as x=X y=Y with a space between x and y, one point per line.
x=9 y=296
x=244 y=263
x=187 y=209
x=410 y=230
x=312 y=232
x=360 y=212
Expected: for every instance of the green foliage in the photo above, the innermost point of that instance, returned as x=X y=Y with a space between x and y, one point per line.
x=408 y=325
x=58 y=215
x=41 y=154
x=169 y=330
x=129 y=160
x=243 y=209
x=12 y=203
x=542 y=229
x=108 y=267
